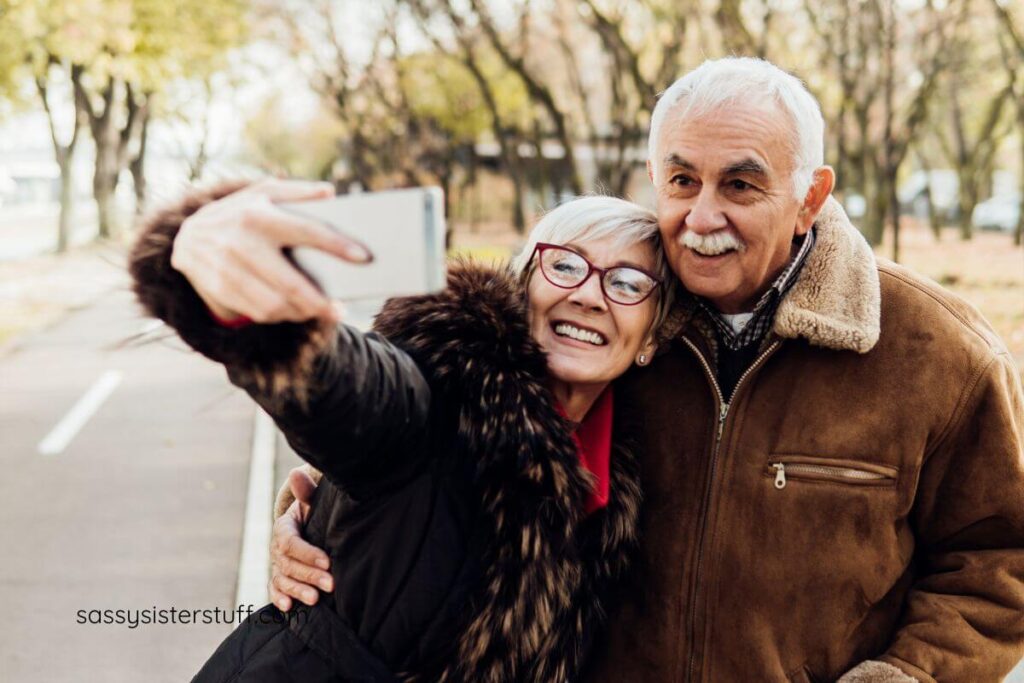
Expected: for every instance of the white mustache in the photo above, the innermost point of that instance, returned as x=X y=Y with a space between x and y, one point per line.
x=712 y=244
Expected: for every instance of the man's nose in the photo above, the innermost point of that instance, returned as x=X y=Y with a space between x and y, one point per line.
x=706 y=213
x=589 y=294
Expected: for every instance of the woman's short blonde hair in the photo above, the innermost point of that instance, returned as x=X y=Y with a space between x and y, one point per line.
x=595 y=218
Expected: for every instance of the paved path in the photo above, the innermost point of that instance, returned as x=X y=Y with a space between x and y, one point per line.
x=142 y=509
x=125 y=474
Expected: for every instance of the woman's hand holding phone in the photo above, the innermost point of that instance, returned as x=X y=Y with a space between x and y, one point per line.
x=231 y=253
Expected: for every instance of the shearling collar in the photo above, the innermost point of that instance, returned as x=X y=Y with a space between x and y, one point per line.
x=836 y=301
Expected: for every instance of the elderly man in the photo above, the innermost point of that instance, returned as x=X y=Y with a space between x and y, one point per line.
x=831 y=445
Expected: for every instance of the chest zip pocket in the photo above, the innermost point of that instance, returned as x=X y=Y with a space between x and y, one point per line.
x=863 y=474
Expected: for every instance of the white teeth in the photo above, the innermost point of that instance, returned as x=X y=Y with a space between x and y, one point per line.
x=567 y=330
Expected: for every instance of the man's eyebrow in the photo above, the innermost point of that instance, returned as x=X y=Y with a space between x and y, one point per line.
x=748 y=166
x=674 y=159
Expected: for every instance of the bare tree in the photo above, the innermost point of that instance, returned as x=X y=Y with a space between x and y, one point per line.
x=633 y=88
x=538 y=90
x=505 y=134
x=886 y=62
x=925 y=164
x=112 y=133
x=973 y=154
x=63 y=152
x=1011 y=49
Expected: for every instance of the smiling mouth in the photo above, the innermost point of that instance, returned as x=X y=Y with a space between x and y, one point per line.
x=563 y=329
x=712 y=251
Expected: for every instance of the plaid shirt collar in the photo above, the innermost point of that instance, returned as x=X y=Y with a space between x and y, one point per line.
x=764 y=312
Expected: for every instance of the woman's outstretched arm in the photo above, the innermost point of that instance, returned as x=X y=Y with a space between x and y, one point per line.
x=214 y=268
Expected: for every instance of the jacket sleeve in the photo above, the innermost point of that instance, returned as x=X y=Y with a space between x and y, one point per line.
x=351 y=404
x=964 y=616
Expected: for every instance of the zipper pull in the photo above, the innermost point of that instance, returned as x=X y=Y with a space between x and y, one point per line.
x=722 y=414
x=780 y=475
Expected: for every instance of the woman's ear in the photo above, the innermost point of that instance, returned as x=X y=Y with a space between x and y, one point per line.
x=646 y=353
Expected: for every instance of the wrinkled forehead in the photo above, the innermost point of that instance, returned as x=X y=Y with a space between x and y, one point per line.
x=762 y=132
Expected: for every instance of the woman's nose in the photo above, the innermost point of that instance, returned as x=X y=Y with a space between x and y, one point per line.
x=589 y=293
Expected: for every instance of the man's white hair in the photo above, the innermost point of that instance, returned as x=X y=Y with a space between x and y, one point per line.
x=747 y=82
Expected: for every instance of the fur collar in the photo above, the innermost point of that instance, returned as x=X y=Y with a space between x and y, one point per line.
x=836 y=301
x=546 y=567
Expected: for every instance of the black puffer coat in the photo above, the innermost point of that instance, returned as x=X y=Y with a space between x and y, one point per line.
x=453 y=497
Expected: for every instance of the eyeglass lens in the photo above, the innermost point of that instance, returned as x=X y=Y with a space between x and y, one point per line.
x=622 y=285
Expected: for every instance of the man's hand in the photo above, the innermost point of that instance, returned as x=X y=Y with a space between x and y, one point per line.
x=297 y=567
x=231 y=253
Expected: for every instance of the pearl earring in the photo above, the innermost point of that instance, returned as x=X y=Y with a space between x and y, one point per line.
x=642 y=360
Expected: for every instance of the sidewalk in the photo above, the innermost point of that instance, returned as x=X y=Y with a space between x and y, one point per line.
x=39 y=291
x=141 y=509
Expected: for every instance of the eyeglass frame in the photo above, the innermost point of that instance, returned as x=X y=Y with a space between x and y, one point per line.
x=540 y=247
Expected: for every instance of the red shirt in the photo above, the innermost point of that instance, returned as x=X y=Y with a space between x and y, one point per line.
x=593 y=437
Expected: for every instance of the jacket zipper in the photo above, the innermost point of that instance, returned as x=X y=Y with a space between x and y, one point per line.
x=841 y=473
x=723 y=414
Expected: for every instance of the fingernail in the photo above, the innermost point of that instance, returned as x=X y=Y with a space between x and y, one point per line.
x=282 y=605
x=325 y=583
x=323 y=563
x=357 y=253
x=310 y=596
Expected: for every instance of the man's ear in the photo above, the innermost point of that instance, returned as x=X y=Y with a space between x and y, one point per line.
x=650 y=171
x=821 y=188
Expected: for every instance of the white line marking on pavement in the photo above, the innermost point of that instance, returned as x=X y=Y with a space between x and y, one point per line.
x=61 y=435
x=150 y=326
x=254 y=560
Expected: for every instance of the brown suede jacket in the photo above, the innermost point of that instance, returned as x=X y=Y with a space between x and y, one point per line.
x=856 y=511
x=859 y=503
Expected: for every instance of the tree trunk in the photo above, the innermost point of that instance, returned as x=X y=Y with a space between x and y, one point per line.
x=518 y=196
x=968 y=198
x=104 y=184
x=138 y=168
x=1018 y=234
x=445 y=179
x=66 y=207
x=933 y=215
x=111 y=144
x=894 y=212
x=875 y=198
x=541 y=179
x=64 y=155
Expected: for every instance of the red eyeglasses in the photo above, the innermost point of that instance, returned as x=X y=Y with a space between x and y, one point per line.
x=568 y=269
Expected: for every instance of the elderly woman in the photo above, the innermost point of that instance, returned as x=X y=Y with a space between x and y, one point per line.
x=476 y=502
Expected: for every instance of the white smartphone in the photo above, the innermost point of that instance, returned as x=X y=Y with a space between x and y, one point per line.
x=405 y=231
